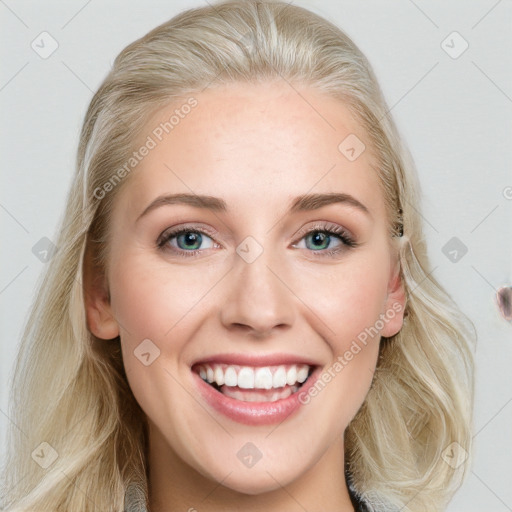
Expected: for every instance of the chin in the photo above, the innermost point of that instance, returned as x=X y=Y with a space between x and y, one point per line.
x=254 y=483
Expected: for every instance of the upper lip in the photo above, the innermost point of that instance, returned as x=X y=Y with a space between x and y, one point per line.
x=256 y=359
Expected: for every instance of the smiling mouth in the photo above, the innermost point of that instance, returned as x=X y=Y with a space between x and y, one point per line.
x=254 y=383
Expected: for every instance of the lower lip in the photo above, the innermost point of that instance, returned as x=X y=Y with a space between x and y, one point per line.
x=254 y=413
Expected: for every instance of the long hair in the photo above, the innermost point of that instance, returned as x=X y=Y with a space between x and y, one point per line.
x=78 y=439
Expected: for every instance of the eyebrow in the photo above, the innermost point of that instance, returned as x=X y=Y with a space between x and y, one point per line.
x=301 y=203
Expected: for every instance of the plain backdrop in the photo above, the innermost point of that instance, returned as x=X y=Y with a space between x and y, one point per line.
x=453 y=106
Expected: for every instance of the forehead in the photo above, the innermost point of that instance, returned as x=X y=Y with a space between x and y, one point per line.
x=255 y=145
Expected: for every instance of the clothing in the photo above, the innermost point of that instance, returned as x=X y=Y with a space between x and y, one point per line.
x=357 y=502
x=134 y=500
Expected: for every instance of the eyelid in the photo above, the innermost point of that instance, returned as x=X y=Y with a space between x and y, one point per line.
x=325 y=226
x=344 y=235
x=188 y=226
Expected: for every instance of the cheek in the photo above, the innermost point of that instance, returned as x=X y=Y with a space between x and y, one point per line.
x=150 y=299
x=347 y=299
x=346 y=379
x=346 y=306
x=151 y=302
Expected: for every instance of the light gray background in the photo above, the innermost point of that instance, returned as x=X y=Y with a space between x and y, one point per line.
x=455 y=114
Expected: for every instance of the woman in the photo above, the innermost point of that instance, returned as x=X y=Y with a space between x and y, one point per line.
x=241 y=306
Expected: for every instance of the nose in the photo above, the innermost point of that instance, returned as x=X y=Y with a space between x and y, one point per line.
x=258 y=300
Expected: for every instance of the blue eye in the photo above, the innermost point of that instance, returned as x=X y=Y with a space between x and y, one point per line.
x=326 y=240
x=323 y=240
x=320 y=239
x=185 y=241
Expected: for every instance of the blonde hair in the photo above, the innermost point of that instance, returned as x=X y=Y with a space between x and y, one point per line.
x=69 y=388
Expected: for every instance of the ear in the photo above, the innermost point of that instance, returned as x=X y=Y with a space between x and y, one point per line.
x=394 y=306
x=100 y=319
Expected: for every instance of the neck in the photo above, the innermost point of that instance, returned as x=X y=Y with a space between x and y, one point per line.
x=176 y=486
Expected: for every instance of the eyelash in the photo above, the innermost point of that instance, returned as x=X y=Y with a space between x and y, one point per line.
x=330 y=229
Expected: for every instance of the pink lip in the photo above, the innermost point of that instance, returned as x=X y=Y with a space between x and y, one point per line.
x=256 y=360
x=254 y=413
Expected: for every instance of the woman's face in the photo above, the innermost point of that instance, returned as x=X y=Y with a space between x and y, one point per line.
x=283 y=270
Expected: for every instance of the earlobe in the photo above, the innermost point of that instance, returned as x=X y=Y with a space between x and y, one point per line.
x=395 y=304
x=100 y=319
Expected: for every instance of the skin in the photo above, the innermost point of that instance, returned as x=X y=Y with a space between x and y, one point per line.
x=257 y=147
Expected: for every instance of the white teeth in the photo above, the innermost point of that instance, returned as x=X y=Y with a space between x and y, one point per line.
x=230 y=377
x=279 y=378
x=259 y=396
x=247 y=377
x=291 y=376
x=218 y=376
x=263 y=378
x=302 y=374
